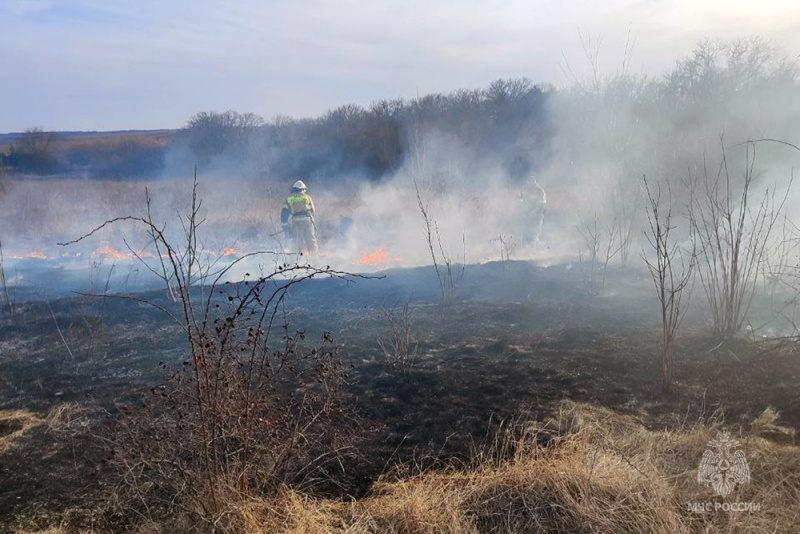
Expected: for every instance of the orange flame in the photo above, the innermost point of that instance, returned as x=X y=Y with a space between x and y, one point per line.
x=110 y=252
x=379 y=258
x=36 y=255
x=228 y=251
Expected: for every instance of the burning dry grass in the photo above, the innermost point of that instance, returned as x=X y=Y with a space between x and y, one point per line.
x=40 y=212
x=598 y=472
x=381 y=257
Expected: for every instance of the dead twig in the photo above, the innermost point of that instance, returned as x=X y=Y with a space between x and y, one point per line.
x=53 y=315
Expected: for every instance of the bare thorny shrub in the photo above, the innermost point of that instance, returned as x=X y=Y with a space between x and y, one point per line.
x=625 y=223
x=731 y=235
x=606 y=237
x=254 y=407
x=8 y=295
x=507 y=246
x=671 y=271
x=197 y=269
x=451 y=273
x=599 y=245
x=400 y=351
x=780 y=269
x=9 y=299
x=589 y=253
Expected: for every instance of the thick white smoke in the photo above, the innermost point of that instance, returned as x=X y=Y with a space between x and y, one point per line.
x=604 y=137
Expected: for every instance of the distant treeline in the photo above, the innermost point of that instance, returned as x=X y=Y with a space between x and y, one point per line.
x=351 y=140
x=600 y=132
x=113 y=155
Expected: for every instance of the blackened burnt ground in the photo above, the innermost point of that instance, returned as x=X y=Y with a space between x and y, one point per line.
x=518 y=340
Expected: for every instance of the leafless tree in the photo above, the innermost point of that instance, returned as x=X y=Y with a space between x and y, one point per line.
x=506 y=247
x=449 y=273
x=35 y=141
x=731 y=234
x=613 y=245
x=10 y=301
x=780 y=266
x=601 y=243
x=671 y=271
x=209 y=134
x=625 y=213
x=34 y=152
x=589 y=252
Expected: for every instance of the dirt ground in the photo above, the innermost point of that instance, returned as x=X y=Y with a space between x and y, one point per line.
x=517 y=341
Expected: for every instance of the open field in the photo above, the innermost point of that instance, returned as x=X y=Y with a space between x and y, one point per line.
x=520 y=342
x=447 y=268
x=185 y=366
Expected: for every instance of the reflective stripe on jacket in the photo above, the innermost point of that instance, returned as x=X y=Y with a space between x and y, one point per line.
x=300 y=205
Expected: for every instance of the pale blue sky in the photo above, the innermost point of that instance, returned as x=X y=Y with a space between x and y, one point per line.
x=114 y=64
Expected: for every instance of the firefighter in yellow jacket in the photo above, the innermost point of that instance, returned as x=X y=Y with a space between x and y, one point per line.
x=299 y=208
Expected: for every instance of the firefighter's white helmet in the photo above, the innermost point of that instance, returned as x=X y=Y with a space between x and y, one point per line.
x=299 y=185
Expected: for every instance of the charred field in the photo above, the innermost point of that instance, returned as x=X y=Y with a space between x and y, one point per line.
x=516 y=343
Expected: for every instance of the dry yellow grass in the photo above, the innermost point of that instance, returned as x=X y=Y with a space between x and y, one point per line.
x=587 y=470
x=54 y=530
x=14 y=424
x=600 y=472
